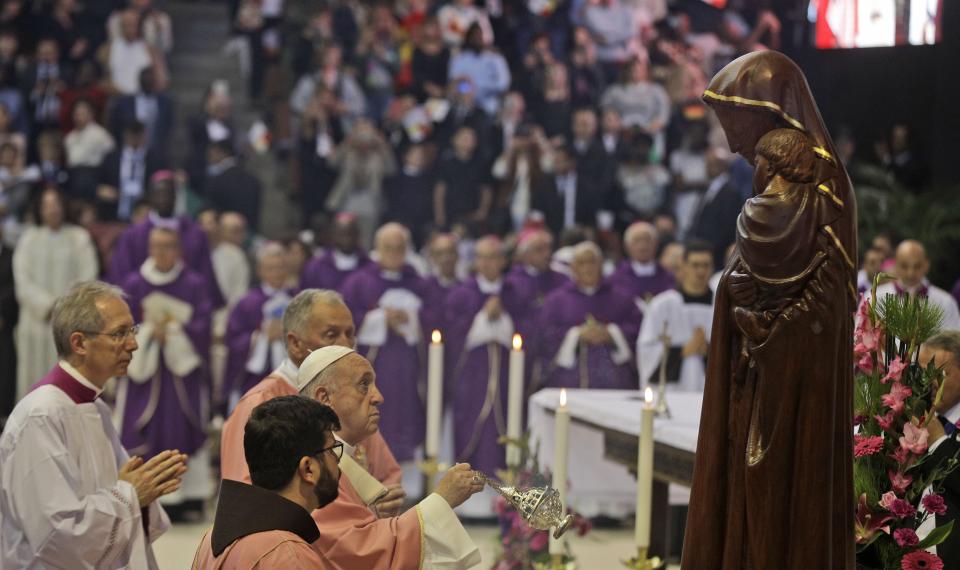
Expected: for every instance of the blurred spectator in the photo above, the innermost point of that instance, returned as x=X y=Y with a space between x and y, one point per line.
x=346 y=99
x=87 y=145
x=320 y=134
x=214 y=124
x=869 y=268
x=611 y=25
x=9 y=133
x=463 y=192
x=553 y=107
x=688 y=168
x=642 y=183
x=431 y=61
x=611 y=130
x=457 y=17
x=586 y=77
x=157 y=27
x=43 y=83
x=69 y=22
x=898 y=157
x=593 y=162
x=464 y=112
x=640 y=102
x=379 y=60
x=16 y=183
x=409 y=193
x=671 y=257
x=124 y=174
x=51 y=256
x=362 y=161
x=297 y=255
x=50 y=159
x=484 y=68
x=520 y=169
x=509 y=120
x=85 y=83
x=715 y=217
x=150 y=107
x=229 y=187
x=128 y=54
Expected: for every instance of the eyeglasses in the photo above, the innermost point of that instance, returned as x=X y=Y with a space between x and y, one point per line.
x=336 y=449
x=119 y=336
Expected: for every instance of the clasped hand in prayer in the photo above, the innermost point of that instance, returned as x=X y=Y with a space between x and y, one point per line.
x=159 y=476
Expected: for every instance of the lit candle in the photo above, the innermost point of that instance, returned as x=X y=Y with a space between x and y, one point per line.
x=645 y=470
x=434 y=394
x=561 y=432
x=515 y=400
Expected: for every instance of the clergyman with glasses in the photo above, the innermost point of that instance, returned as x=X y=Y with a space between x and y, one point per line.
x=71 y=497
x=292 y=455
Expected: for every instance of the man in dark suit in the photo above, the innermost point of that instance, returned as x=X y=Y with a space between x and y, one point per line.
x=229 y=187
x=944 y=350
x=124 y=173
x=715 y=219
x=9 y=311
x=566 y=199
x=150 y=107
x=593 y=162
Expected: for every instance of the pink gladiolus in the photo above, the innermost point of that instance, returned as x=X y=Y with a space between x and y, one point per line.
x=906 y=537
x=865 y=364
x=885 y=421
x=914 y=438
x=895 y=399
x=867 y=445
x=933 y=503
x=887 y=500
x=899 y=481
x=894 y=371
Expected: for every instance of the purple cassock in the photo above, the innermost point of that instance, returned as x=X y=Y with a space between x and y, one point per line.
x=130 y=252
x=574 y=364
x=481 y=349
x=396 y=355
x=163 y=400
x=533 y=287
x=252 y=357
x=434 y=318
x=330 y=269
x=641 y=281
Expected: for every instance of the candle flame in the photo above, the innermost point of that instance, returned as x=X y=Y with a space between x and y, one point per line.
x=435 y=337
x=563 y=397
x=517 y=341
x=648 y=395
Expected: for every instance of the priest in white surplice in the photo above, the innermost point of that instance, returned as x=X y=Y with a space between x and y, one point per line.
x=687 y=314
x=70 y=497
x=911 y=267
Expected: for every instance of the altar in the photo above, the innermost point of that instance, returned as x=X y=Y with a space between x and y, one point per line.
x=604 y=433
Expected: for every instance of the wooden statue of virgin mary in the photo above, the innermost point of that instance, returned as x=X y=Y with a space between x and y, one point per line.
x=772 y=486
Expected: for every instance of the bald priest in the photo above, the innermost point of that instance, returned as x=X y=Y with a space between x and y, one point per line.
x=429 y=535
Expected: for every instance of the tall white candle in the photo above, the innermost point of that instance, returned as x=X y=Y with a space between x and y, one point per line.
x=561 y=433
x=434 y=394
x=515 y=400
x=645 y=470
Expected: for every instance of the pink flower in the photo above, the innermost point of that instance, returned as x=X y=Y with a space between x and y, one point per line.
x=896 y=397
x=902 y=509
x=900 y=456
x=885 y=421
x=914 y=438
x=933 y=503
x=539 y=541
x=887 y=500
x=899 y=481
x=859 y=419
x=865 y=364
x=906 y=537
x=894 y=371
x=867 y=445
x=868 y=523
x=921 y=560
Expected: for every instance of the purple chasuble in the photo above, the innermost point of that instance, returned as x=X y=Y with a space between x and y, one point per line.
x=131 y=251
x=641 y=287
x=321 y=272
x=568 y=307
x=479 y=409
x=533 y=290
x=246 y=318
x=433 y=318
x=167 y=411
x=398 y=365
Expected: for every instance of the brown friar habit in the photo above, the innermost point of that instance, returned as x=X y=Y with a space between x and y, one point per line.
x=772 y=485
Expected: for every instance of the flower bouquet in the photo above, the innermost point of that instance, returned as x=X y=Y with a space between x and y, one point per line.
x=893 y=401
x=523 y=547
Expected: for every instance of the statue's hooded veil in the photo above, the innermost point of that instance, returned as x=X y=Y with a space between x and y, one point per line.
x=769 y=80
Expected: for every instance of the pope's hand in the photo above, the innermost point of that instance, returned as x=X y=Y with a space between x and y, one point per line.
x=391 y=503
x=155 y=478
x=459 y=483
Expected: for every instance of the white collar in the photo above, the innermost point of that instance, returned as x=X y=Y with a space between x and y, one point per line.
x=953 y=414
x=716 y=185
x=444 y=282
x=913 y=290
x=644 y=269
x=344 y=261
x=347 y=448
x=171 y=223
x=531 y=270
x=270 y=291
x=75 y=374
x=489 y=287
x=390 y=275
x=288 y=371
x=588 y=291
x=154 y=276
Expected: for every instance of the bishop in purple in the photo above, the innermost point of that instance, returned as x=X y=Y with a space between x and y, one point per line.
x=641 y=277
x=254 y=334
x=331 y=268
x=387 y=300
x=131 y=249
x=589 y=328
x=163 y=402
x=480 y=315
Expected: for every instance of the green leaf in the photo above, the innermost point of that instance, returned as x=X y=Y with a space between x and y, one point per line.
x=936 y=536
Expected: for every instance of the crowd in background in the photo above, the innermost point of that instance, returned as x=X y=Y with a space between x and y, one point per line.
x=455 y=119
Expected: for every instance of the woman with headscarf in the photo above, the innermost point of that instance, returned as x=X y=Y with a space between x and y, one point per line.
x=772 y=486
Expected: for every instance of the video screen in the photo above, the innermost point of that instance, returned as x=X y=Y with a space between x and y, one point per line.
x=875 y=23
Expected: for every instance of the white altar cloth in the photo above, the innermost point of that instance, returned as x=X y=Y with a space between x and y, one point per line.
x=599 y=486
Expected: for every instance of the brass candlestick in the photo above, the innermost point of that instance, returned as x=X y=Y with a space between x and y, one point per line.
x=539 y=507
x=641 y=562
